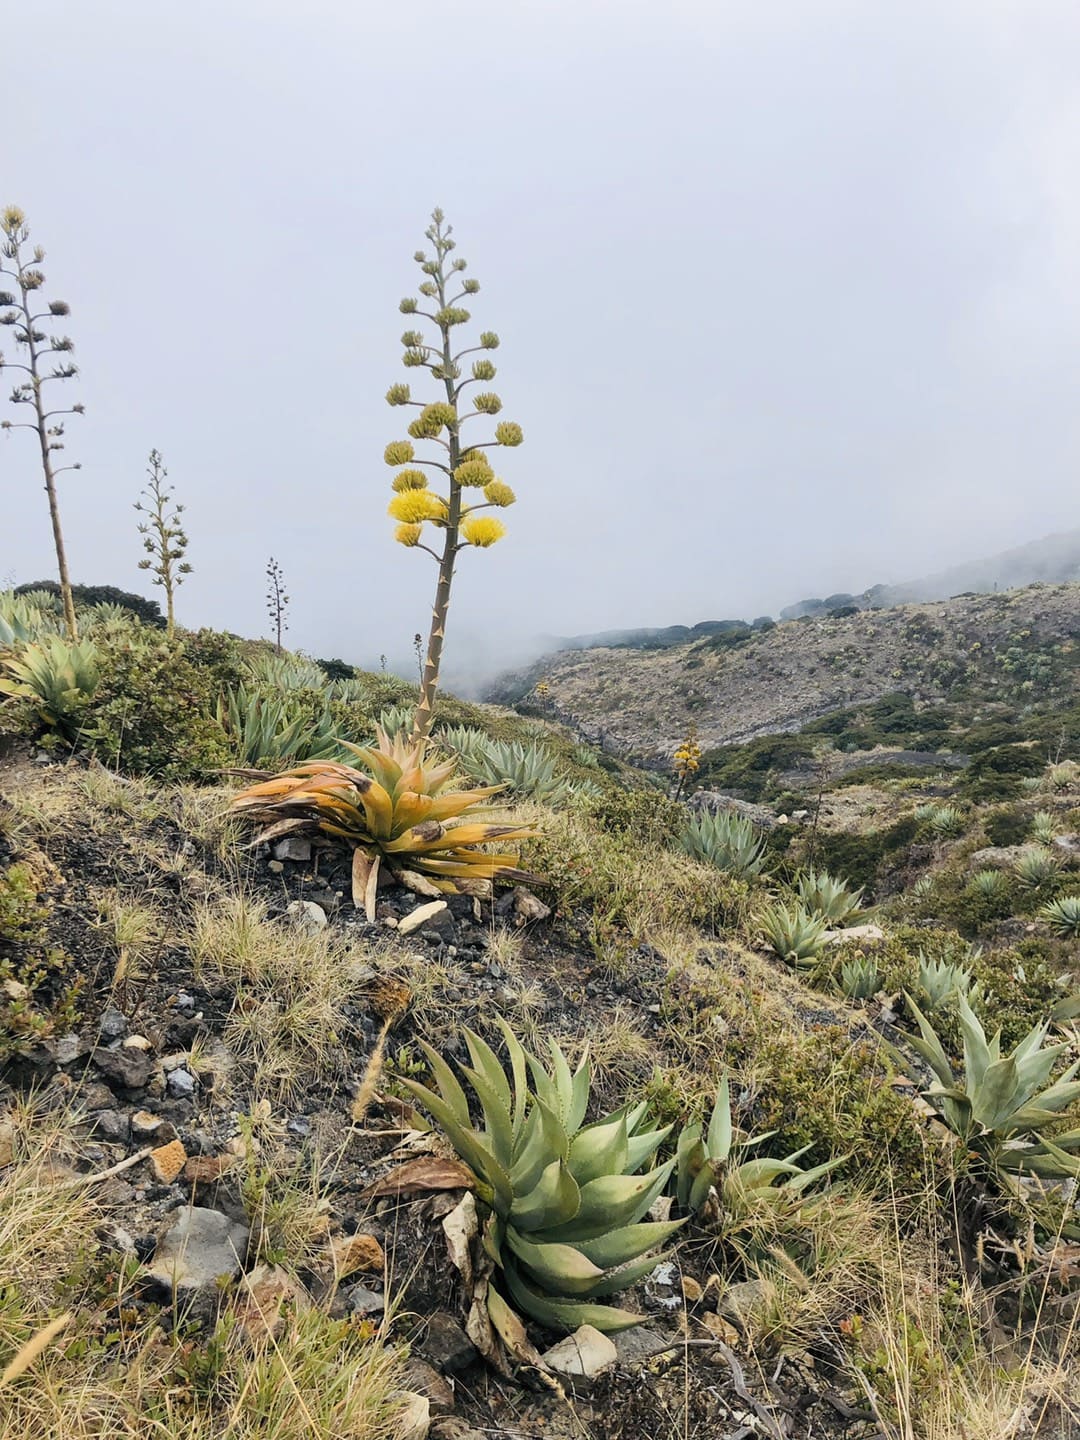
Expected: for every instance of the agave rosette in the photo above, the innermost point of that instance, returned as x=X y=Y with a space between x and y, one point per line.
x=397 y=814
x=717 y=1157
x=1002 y=1104
x=567 y=1199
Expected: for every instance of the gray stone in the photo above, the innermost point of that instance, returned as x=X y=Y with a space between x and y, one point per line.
x=863 y=934
x=275 y=867
x=66 y=1049
x=293 y=847
x=636 y=1346
x=198 y=1248
x=426 y=1380
x=306 y=916
x=112 y=1025
x=362 y=1301
x=112 y=1125
x=446 y=1344
x=130 y=1069
x=181 y=1084
x=147 y=1126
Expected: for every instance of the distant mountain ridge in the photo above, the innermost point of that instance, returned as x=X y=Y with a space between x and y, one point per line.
x=1053 y=560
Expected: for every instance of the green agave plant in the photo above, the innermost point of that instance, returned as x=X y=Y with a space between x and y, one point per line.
x=287 y=672
x=999 y=1107
x=990 y=884
x=266 y=728
x=793 y=933
x=946 y=821
x=938 y=980
x=1044 y=827
x=726 y=840
x=1036 y=866
x=860 y=979
x=715 y=1158
x=567 y=1198
x=831 y=899
x=1063 y=916
x=59 y=676
x=23 y=620
x=397 y=720
x=526 y=771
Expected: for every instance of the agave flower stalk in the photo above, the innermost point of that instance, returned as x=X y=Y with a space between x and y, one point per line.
x=567 y=1199
x=456 y=522
x=35 y=344
x=394 y=812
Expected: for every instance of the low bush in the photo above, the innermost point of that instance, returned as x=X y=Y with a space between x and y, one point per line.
x=154 y=714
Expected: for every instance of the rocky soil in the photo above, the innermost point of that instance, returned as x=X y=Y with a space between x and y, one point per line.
x=184 y=1150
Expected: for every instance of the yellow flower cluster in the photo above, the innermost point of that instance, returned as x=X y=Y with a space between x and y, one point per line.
x=482 y=530
x=413 y=507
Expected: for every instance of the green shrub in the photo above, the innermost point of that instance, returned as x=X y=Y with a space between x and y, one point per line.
x=1010 y=825
x=861 y=857
x=37 y=996
x=646 y=816
x=85 y=596
x=996 y=774
x=154 y=714
x=817 y=1089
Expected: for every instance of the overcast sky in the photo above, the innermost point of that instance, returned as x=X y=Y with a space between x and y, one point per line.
x=788 y=293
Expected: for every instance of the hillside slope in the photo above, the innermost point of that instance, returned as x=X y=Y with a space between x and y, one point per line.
x=1011 y=646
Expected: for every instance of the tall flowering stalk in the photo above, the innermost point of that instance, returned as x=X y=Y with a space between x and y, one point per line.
x=463 y=471
x=43 y=357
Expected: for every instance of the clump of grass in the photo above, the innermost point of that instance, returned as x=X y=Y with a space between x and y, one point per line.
x=289 y=1020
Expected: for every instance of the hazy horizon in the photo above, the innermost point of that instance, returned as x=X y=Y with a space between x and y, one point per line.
x=788 y=297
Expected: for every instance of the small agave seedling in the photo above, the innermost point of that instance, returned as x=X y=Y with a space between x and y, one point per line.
x=567 y=1199
x=397 y=814
x=938 y=980
x=716 y=1159
x=1001 y=1105
x=860 y=979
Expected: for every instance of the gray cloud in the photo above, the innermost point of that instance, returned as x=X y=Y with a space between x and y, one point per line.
x=788 y=294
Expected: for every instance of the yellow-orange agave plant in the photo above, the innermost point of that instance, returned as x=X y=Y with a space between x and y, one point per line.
x=397 y=814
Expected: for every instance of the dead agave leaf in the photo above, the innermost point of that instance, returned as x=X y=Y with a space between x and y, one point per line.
x=419 y=884
x=461 y=1227
x=361 y=869
x=417 y=1177
x=275 y=831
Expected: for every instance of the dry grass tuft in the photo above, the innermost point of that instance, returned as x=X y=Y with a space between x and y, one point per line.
x=288 y=1021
